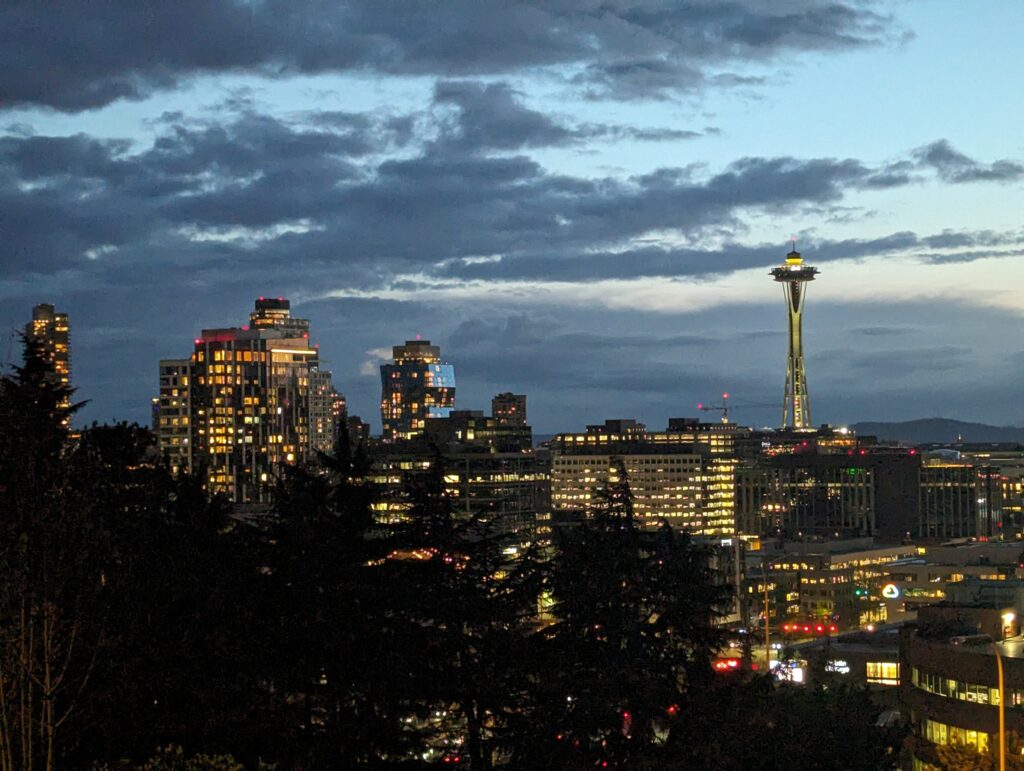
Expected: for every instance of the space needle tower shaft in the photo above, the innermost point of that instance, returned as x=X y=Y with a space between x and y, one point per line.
x=794 y=276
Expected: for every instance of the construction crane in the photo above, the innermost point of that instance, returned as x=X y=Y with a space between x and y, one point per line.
x=723 y=407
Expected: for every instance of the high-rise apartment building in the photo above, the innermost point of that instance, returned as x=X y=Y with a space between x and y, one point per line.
x=173 y=422
x=509 y=409
x=248 y=400
x=52 y=331
x=275 y=313
x=415 y=388
x=327 y=410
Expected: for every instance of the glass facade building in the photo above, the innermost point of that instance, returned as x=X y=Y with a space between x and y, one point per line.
x=415 y=387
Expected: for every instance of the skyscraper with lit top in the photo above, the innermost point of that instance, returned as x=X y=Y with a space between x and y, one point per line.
x=415 y=387
x=252 y=398
x=794 y=277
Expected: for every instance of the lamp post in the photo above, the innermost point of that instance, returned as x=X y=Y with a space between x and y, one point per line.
x=1002 y=709
x=987 y=640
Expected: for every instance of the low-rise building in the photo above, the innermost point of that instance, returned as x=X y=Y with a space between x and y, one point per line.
x=949 y=684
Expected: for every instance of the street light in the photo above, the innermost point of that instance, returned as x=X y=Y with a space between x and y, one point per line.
x=767 y=617
x=987 y=640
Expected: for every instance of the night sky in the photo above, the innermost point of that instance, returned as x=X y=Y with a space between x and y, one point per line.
x=579 y=201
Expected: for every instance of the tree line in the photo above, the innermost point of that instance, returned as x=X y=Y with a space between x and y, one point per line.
x=143 y=626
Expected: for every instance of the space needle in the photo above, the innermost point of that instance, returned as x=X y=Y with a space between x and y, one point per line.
x=794 y=275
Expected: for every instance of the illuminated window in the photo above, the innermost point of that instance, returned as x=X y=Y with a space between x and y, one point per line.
x=883 y=672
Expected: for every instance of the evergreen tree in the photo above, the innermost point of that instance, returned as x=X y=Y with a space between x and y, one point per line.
x=635 y=630
x=52 y=568
x=317 y=606
x=459 y=609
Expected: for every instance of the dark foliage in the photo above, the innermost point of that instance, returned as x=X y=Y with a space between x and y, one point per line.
x=137 y=615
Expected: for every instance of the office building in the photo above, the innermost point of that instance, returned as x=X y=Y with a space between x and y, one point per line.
x=1001 y=485
x=52 y=331
x=461 y=426
x=824 y=582
x=964 y=496
x=415 y=387
x=490 y=471
x=243 y=404
x=828 y=484
x=514 y=487
x=794 y=277
x=684 y=476
x=949 y=687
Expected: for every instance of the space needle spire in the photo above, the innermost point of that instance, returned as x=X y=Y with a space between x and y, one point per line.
x=794 y=275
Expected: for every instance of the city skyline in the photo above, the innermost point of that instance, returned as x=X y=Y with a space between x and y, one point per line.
x=404 y=384
x=586 y=219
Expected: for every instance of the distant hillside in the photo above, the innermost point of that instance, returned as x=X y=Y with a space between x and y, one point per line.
x=939 y=430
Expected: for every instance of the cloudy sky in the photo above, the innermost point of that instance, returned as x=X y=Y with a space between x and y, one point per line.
x=577 y=200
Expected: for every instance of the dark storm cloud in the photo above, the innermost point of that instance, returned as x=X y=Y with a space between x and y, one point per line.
x=491 y=117
x=360 y=190
x=692 y=262
x=87 y=54
x=62 y=198
x=953 y=166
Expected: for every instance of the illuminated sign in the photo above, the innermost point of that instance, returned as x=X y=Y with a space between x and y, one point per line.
x=838 y=666
x=787 y=671
x=890 y=591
